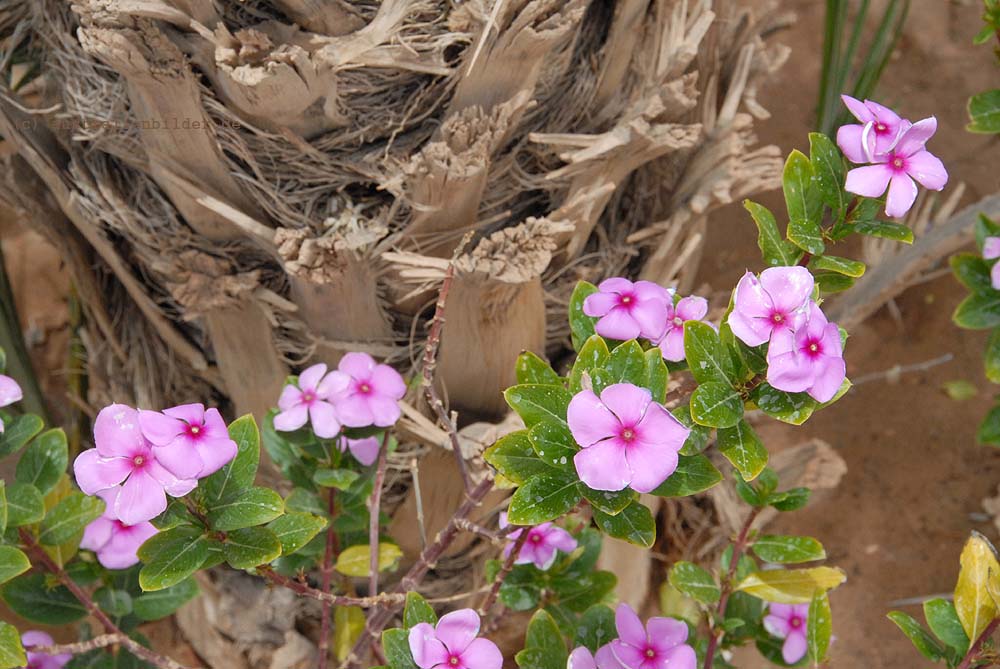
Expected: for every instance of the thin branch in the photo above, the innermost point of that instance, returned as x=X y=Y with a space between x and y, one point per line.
x=80 y=647
x=497 y=538
x=326 y=574
x=505 y=569
x=977 y=647
x=383 y=600
x=893 y=373
x=41 y=557
x=415 y=472
x=375 y=503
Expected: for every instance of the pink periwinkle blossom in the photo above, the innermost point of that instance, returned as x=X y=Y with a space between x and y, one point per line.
x=789 y=622
x=775 y=302
x=658 y=645
x=366 y=393
x=874 y=136
x=309 y=402
x=541 y=545
x=627 y=439
x=604 y=658
x=114 y=542
x=811 y=359
x=364 y=450
x=190 y=441
x=453 y=644
x=125 y=463
x=691 y=308
x=991 y=251
x=38 y=639
x=629 y=310
x=10 y=392
x=907 y=160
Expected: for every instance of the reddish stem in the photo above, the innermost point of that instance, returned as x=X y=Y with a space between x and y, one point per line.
x=977 y=647
x=373 y=512
x=505 y=569
x=325 y=585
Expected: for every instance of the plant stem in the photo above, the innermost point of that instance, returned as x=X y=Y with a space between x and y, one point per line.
x=383 y=600
x=327 y=575
x=505 y=569
x=41 y=557
x=80 y=647
x=977 y=647
x=373 y=512
x=739 y=546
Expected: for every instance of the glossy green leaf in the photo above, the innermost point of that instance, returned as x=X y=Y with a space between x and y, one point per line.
x=943 y=621
x=162 y=603
x=656 y=376
x=171 y=556
x=12 y=563
x=972 y=271
x=11 y=651
x=341 y=479
x=240 y=473
x=774 y=248
x=988 y=432
x=984 y=112
x=828 y=166
x=695 y=582
x=707 y=359
x=515 y=458
x=610 y=502
x=803 y=202
x=626 y=364
x=544 y=646
x=251 y=546
x=69 y=517
x=792 y=408
x=743 y=448
x=580 y=324
x=34 y=598
x=255 y=506
x=779 y=549
x=845 y=266
x=114 y=602
x=716 y=405
x=396 y=645
x=819 y=627
x=978 y=311
x=553 y=443
x=991 y=357
x=896 y=232
x=635 y=524
x=529 y=368
x=544 y=498
x=922 y=641
x=18 y=432
x=417 y=610
x=596 y=628
x=789 y=500
x=535 y=403
x=25 y=505
x=356 y=560
x=694 y=474
x=294 y=530
x=593 y=355
x=832 y=282
x=44 y=461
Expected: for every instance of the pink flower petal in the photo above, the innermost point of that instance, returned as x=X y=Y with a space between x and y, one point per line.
x=829 y=377
x=291 y=419
x=629 y=655
x=216 y=454
x=94 y=473
x=117 y=432
x=789 y=287
x=192 y=414
x=615 y=284
x=651 y=315
x=598 y=304
x=581 y=658
x=681 y=657
x=630 y=628
x=120 y=552
x=902 y=193
x=172 y=485
x=35 y=638
x=358 y=365
x=364 y=450
x=777 y=624
x=882 y=114
x=388 y=382
x=794 y=648
x=603 y=466
x=858 y=108
x=180 y=459
x=559 y=538
x=691 y=308
x=334 y=385
x=914 y=137
x=849 y=141
x=749 y=319
x=291 y=397
x=589 y=420
x=354 y=411
x=385 y=410
x=665 y=633
x=995 y=276
x=648 y=290
x=650 y=464
x=97 y=533
x=544 y=556
x=831 y=340
x=310 y=378
x=672 y=345
x=605 y=658
x=626 y=401
x=141 y=498
x=660 y=427
x=457 y=629
x=10 y=391
x=323 y=418
x=618 y=324
x=991 y=248
x=159 y=428
x=427 y=651
x=868 y=181
x=482 y=654
x=927 y=169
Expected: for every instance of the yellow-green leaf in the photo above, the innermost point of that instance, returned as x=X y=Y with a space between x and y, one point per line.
x=973 y=603
x=348 y=623
x=356 y=560
x=791 y=586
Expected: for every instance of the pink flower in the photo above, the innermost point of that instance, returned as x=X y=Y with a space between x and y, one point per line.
x=114 y=542
x=906 y=160
x=452 y=644
x=809 y=359
x=38 y=639
x=627 y=439
x=366 y=393
x=10 y=392
x=879 y=129
x=991 y=250
x=690 y=308
x=124 y=462
x=774 y=303
x=364 y=450
x=789 y=622
x=604 y=658
x=188 y=440
x=309 y=402
x=629 y=310
x=659 y=645
x=541 y=545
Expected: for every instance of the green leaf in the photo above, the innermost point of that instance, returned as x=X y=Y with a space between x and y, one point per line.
x=11 y=651
x=593 y=355
x=656 y=375
x=356 y=560
x=694 y=582
x=791 y=586
x=33 y=598
x=3 y=506
x=973 y=603
x=294 y=530
x=779 y=549
x=553 y=443
x=609 y=502
x=250 y=547
x=984 y=111
x=515 y=458
x=240 y=473
x=348 y=624
x=789 y=500
x=991 y=357
x=396 y=644
x=535 y=403
x=529 y=368
x=972 y=271
x=984 y=227
x=544 y=498
x=792 y=408
x=626 y=364
x=160 y=604
x=417 y=610
x=944 y=622
x=580 y=324
x=743 y=448
x=828 y=166
x=716 y=405
x=896 y=232
x=19 y=432
x=707 y=359
x=923 y=641
x=978 y=312
x=341 y=479
x=116 y=603
x=12 y=563
x=989 y=430
x=596 y=628
x=577 y=592
x=845 y=266
x=255 y=506
x=832 y=282
x=819 y=628
x=69 y=517
x=25 y=505
x=544 y=647
x=635 y=524
x=44 y=461
x=804 y=204
x=171 y=556
x=774 y=248
x=694 y=474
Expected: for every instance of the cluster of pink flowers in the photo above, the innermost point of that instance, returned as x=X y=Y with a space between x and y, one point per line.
x=37 y=639
x=626 y=439
x=789 y=622
x=453 y=644
x=139 y=458
x=10 y=392
x=359 y=393
x=660 y=644
x=644 y=310
x=541 y=545
x=894 y=147
x=805 y=351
